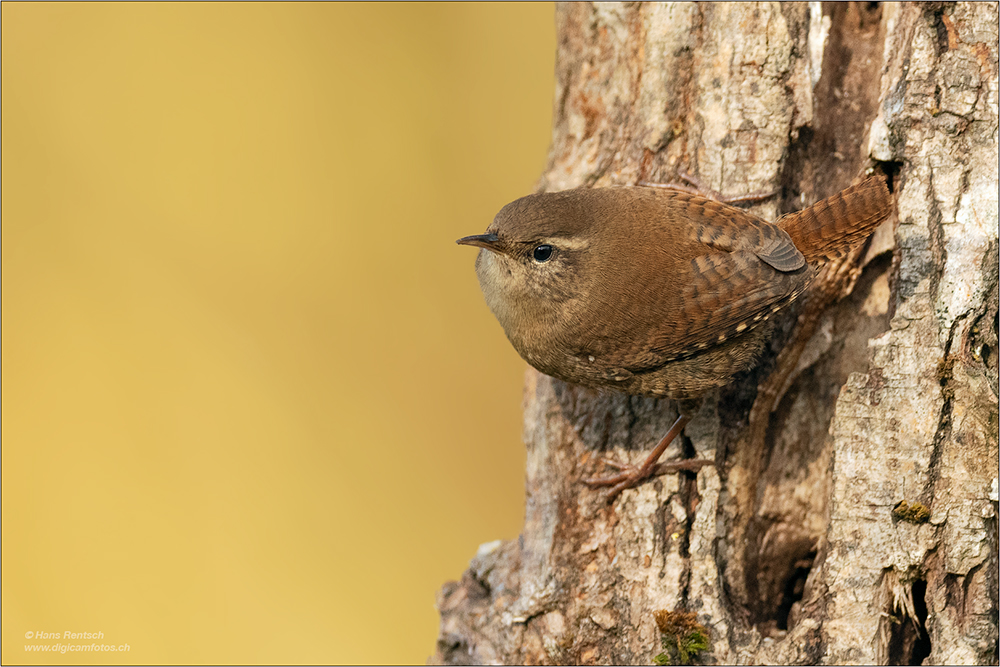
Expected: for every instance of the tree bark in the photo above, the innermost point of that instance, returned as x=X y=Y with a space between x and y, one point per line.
x=851 y=516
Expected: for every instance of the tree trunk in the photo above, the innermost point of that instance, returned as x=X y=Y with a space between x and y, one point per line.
x=851 y=516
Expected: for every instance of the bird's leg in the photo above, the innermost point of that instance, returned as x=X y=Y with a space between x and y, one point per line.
x=696 y=187
x=631 y=475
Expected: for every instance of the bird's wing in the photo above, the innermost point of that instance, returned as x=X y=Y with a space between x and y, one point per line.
x=750 y=270
x=724 y=296
x=730 y=294
x=743 y=270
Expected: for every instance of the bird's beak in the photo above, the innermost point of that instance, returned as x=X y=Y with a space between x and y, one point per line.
x=488 y=241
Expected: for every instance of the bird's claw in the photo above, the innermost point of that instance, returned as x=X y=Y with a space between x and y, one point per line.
x=628 y=477
x=631 y=476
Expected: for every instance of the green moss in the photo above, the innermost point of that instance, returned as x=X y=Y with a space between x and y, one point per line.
x=915 y=513
x=682 y=637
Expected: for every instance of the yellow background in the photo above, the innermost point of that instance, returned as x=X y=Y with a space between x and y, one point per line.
x=254 y=406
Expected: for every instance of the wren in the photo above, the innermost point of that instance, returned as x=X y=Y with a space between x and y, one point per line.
x=656 y=292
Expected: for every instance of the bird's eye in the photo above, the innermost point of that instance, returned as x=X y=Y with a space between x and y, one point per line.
x=542 y=253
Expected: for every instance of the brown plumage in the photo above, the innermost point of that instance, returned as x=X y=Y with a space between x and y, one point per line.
x=655 y=291
x=831 y=227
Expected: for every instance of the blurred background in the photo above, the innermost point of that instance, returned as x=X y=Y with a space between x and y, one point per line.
x=254 y=406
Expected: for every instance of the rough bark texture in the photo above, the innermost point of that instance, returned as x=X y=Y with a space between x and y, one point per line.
x=879 y=389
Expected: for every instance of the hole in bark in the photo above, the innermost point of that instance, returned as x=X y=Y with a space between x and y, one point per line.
x=779 y=579
x=869 y=15
x=909 y=643
x=795 y=586
x=940 y=30
x=891 y=171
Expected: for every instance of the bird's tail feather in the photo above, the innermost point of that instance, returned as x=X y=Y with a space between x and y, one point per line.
x=830 y=228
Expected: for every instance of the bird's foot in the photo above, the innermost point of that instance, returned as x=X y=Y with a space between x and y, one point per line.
x=630 y=475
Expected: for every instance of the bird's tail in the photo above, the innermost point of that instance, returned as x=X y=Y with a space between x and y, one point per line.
x=830 y=228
